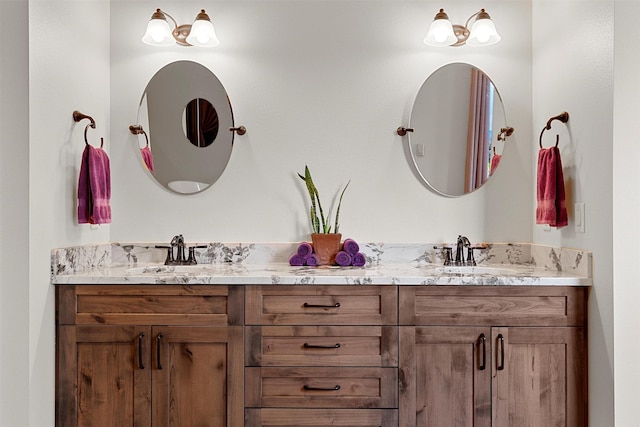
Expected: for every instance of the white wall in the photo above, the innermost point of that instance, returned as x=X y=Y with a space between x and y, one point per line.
x=626 y=211
x=14 y=212
x=573 y=72
x=68 y=70
x=324 y=84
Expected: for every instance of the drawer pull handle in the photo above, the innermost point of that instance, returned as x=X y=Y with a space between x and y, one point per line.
x=500 y=343
x=158 y=344
x=307 y=305
x=483 y=360
x=140 y=361
x=309 y=388
x=306 y=345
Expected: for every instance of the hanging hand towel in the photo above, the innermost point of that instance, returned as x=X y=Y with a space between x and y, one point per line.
x=495 y=161
x=94 y=187
x=147 y=157
x=551 y=197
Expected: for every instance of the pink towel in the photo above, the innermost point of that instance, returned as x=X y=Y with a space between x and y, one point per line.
x=94 y=187
x=551 y=197
x=495 y=161
x=147 y=157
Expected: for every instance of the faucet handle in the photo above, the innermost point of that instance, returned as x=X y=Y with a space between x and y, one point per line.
x=191 y=259
x=470 y=259
x=447 y=253
x=169 y=260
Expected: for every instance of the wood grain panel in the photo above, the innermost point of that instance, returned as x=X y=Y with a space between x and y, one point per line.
x=491 y=305
x=281 y=417
x=295 y=305
x=149 y=305
x=342 y=387
x=321 y=346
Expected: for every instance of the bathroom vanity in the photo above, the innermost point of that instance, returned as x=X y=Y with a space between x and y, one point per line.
x=266 y=344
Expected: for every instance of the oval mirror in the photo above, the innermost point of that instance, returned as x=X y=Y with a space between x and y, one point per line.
x=457 y=117
x=181 y=111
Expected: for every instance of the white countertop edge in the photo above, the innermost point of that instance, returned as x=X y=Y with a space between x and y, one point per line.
x=283 y=274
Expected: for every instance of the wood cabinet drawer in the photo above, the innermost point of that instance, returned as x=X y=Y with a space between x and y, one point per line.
x=321 y=305
x=150 y=305
x=321 y=346
x=320 y=417
x=492 y=305
x=321 y=387
x=255 y=417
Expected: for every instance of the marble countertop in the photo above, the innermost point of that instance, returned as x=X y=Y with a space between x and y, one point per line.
x=283 y=274
x=264 y=264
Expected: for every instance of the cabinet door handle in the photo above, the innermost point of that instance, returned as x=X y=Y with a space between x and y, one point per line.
x=483 y=359
x=500 y=344
x=140 y=342
x=158 y=344
x=334 y=388
x=307 y=305
x=306 y=345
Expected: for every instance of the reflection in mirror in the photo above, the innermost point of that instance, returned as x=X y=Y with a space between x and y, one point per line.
x=457 y=117
x=200 y=122
x=177 y=161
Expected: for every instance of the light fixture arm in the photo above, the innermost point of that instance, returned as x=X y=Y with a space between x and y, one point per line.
x=462 y=32
x=164 y=14
x=466 y=24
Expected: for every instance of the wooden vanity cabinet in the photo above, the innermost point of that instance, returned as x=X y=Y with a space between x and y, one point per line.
x=493 y=356
x=149 y=355
x=321 y=356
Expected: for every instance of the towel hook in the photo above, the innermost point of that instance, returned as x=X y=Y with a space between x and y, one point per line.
x=563 y=117
x=85 y=136
x=78 y=116
x=137 y=130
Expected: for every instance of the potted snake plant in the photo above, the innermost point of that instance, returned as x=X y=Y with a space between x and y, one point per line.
x=325 y=239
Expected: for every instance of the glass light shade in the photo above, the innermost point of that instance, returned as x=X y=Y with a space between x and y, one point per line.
x=483 y=33
x=158 y=33
x=202 y=33
x=440 y=33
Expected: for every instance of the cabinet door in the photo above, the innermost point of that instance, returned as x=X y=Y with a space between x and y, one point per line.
x=445 y=376
x=197 y=376
x=539 y=377
x=104 y=376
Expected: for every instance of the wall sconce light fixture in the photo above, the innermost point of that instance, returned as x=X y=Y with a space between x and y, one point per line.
x=443 y=33
x=200 y=33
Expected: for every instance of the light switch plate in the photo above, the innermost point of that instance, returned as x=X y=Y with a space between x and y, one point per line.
x=579 y=217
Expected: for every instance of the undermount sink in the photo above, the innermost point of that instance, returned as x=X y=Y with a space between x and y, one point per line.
x=166 y=269
x=473 y=270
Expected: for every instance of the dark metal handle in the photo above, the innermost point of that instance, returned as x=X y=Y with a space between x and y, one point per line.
x=140 y=341
x=334 y=388
x=402 y=131
x=306 y=345
x=483 y=360
x=158 y=343
x=307 y=305
x=500 y=344
x=240 y=130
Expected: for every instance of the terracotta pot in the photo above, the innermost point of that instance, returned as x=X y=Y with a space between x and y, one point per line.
x=326 y=246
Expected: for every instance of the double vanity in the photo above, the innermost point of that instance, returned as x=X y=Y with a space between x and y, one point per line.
x=244 y=339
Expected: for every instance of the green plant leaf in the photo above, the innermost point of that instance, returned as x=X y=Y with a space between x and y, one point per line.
x=336 y=227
